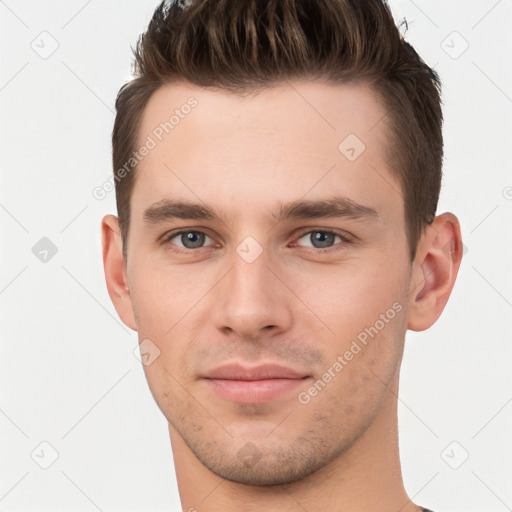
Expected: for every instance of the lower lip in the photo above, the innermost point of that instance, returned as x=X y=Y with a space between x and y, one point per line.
x=253 y=391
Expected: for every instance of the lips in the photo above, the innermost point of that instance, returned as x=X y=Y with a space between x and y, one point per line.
x=262 y=372
x=253 y=385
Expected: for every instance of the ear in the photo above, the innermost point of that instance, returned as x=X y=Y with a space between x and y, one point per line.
x=434 y=271
x=115 y=270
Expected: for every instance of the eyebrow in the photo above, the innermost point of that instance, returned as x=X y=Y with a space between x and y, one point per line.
x=335 y=207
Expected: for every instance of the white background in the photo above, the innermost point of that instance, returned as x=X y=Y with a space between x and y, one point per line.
x=68 y=376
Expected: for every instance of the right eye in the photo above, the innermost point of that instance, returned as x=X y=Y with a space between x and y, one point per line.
x=187 y=239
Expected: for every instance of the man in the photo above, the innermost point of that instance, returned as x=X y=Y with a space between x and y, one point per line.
x=277 y=168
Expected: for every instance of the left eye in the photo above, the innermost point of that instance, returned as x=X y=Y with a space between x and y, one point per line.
x=321 y=239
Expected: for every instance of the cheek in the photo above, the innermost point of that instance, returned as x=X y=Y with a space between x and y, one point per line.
x=363 y=374
x=349 y=298
x=365 y=313
x=157 y=313
x=163 y=295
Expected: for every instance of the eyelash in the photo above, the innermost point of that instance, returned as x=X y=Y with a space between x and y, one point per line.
x=345 y=239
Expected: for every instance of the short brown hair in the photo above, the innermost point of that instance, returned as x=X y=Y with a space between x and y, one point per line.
x=245 y=45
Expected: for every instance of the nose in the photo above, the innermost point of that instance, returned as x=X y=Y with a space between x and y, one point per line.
x=251 y=301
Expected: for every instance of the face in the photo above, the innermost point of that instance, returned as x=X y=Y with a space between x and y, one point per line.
x=287 y=247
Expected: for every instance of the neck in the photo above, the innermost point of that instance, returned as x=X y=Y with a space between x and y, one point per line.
x=365 y=477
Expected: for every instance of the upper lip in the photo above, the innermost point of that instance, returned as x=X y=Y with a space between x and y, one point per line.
x=237 y=371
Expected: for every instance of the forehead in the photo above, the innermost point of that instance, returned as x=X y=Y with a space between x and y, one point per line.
x=298 y=138
x=326 y=107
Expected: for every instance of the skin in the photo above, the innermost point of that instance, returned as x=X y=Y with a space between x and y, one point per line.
x=292 y=305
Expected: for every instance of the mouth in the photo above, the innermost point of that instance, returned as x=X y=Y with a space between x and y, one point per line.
x=253 y=385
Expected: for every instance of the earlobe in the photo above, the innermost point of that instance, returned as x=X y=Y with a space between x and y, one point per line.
x=115 y=270
x=434 y=271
